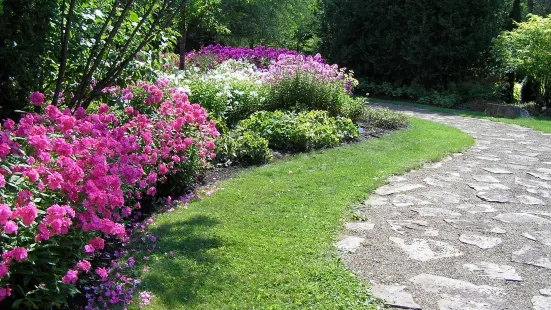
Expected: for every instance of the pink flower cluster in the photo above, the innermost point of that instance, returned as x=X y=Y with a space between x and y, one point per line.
x=96 y=167
x=288 y=66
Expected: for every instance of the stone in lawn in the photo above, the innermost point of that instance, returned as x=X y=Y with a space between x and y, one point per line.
x=349 y=244
x=376 y=201
x=360 y=226
x=546 y=291
x=494 y=271
x=442 y=197
x=399 y=225
x=543 y=193
x=402 y=200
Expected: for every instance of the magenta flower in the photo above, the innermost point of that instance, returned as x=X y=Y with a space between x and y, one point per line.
x=3 y=270
x=70 y=278
x=84 y=265
x=37 y=99
x=10 y=228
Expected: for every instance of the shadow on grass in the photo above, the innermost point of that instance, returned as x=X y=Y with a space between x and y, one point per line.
x=176 y=280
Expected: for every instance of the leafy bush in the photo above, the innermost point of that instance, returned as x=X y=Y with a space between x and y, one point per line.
x=299 y=131
x=242 y=147
x=70 y=182
x=526 y=50
x=384 y=118
x=440 y=99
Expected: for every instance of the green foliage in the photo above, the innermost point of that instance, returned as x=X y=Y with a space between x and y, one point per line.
x=440 y=99
x=304 y=92
x=411 y=42
x=299 y=132
x=384 y=118
x=526 y=50
x=23 y=27
x=244 y=148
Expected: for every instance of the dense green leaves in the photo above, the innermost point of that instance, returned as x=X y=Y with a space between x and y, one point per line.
x=526 y=50
x=426 y=42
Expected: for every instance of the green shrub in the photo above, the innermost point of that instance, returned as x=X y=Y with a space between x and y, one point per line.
x=353 y=107
x=440 y=99
x=300 y=131
x=242 y=147
x=305 y=93
x=384 y=118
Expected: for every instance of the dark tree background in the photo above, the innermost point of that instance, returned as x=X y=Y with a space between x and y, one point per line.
x=425 y=42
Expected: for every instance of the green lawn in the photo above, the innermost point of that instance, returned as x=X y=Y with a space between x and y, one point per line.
x=539 y=123
x=266 y=240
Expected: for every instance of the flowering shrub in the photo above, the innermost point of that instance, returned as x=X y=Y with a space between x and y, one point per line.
x=69 y=182
x=289 y=66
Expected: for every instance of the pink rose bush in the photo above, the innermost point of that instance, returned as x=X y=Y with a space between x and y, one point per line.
x=70 y=181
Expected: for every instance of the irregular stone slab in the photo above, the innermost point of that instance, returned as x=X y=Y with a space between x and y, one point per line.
x=488 y=158
x=376 y=201
x=399 y=225
x=522 y=218
x=425 y=250
x=349 y=244
x=518 y=167
x=533 y=256
x=394 y=295
x=432 y=165
x=528 y=200
x=530 y=154
x=483 y=187
x=432 y=212
x=436 y=284
x=494 y=271
x=394 y=189
x=523 y=159
x=546 y=291
x=401 y=200
x=497 y=170
x=544 y=170
x=495 y=196
x=540 y=175
x=541 y=236
x=459 y=303
x=450 y=177
x=485 y=178
x=360 y=226
x=442 y=197
x=435 y=182
x=480 y=208
x=480 y=241
x=532 y=183
x=431 y=232
x=537 y=212
x=396 y=179
x=541 y=303
x=543 y=193
x=480 y=225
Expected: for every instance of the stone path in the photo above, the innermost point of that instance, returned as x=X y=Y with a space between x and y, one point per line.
x=470 y=232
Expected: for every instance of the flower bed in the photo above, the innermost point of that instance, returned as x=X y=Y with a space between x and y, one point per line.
x=70 y=182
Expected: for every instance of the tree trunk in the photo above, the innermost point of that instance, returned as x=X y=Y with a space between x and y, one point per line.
x=530 y=6
x=183 y=39
x=64 y=51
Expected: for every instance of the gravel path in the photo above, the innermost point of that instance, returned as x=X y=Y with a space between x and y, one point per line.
x=471 y=232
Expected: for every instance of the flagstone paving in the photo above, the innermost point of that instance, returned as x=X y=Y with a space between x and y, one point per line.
x=470 y=232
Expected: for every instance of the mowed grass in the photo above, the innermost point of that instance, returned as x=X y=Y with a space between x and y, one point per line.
x=540 y=123
x=266 y=240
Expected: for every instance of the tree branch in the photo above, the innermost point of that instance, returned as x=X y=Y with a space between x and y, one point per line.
x=64 y=50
